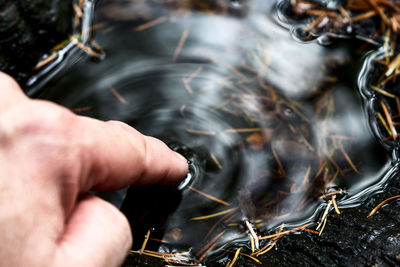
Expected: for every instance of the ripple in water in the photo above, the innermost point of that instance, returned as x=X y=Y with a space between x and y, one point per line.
x=270 y=125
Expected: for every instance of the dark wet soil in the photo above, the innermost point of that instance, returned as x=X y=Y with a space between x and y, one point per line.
x=28 y=29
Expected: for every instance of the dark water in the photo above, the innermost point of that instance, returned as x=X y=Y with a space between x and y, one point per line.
x=269 y=123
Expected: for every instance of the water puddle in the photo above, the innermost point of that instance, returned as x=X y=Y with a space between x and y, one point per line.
x=274 y=128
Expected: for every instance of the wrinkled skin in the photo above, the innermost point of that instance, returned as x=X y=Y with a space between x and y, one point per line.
x=50 y=159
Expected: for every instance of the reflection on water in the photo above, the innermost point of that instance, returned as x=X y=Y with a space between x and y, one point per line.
x=274 y=128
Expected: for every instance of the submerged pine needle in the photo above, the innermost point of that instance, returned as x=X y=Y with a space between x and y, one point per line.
x=200 y=132
x=381 y=204
x=209 y=196
x=243 y=130
x=213 y=215
x=209 y=244
x=181 y=43
x=117 y=95
x=194 y=74
x=81 y=109
x=383 y=92
x=150 y=24
x=347 y=157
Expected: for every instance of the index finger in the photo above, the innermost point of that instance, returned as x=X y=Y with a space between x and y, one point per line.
x=116 y=155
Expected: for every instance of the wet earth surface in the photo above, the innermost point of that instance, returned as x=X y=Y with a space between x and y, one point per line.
x=269 y=124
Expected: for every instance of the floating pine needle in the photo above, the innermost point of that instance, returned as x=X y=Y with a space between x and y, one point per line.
x=244 y=254
x=335 y=204
x=323 y=226
x=382 y=120
x=285 y=232
x=235 y=257
x=253 y=235
x=150 y=24
x=145 y=242
x=117 y=95
x=383 y=92
x=332 y=194
x=46 y=61
x=393 y=65
x=324 y=216
x=216 y=161
x=282 y=170
x=181 y=43
x=389 y=120
x=267 y=248
x=200 y=132
x=311 y=231
x=85 y=48
x=213 y=215
x=381 y=204
x=209 y=196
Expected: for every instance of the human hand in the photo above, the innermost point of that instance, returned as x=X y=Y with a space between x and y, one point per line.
x=49 y=159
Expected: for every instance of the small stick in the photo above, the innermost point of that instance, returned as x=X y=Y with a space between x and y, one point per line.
x=209 y=196
x=381 y=204
x=181 y=43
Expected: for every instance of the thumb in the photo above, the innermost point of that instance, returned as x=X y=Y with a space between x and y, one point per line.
x=97 y=234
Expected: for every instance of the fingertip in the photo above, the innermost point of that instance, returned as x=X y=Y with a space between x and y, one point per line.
x=183 y=165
